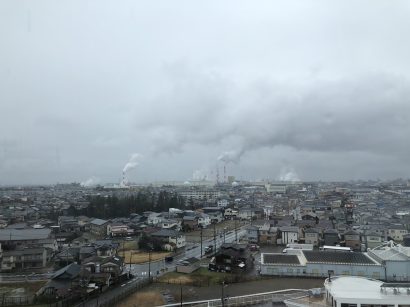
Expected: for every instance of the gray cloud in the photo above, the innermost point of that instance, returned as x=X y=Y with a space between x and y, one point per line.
x=315 y=87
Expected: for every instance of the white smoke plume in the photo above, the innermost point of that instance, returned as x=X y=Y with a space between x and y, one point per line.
x=288 y=174
x=200 y=174
x=90 y=182
x=132 y=163
x=231 y=156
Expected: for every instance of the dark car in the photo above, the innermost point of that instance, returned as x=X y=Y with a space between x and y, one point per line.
x=169 y=259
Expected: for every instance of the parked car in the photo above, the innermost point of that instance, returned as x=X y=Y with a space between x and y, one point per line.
x=169 y=259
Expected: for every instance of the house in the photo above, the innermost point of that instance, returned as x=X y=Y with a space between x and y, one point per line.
x=86 y=251
x=66 y=256
x=222 y=203
x=252 y=233
x=103 y=270
x=204 y=220
x=289 y=234
x=352 y=240
x=154 y=218
x=312 y=236
x=98 y=227
x=372 y=240
x=68 y=223
x=190 y=222
x=172 y=239
x=106 y=248
x=230 y=213
x=232 y=258
x=215 y=214
x=267 y=234
x=396 y=232
x=119 y=230
x=24 y=258
x=331 y=237
x=171 y=224
x=62 y=282
x=250 y=213
x=23 y=237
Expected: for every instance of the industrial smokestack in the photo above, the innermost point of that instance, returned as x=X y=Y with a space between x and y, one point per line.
x=131 y=164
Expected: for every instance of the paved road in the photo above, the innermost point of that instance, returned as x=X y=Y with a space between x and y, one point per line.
x=160 y=267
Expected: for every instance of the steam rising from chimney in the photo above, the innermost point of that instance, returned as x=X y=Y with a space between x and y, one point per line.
x=132 y=163
x=231 y=156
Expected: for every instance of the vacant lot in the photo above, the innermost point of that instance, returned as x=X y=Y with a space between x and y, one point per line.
x=15 y=289
x=201 y=277
x=135 y=256
x=144 y=298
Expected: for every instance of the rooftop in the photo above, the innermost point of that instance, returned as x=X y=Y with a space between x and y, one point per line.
x=24 y=234
x=280 y=259
x=338 y=257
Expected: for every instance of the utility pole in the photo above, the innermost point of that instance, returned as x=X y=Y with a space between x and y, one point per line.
x=201 y=241
x=236 y=232
x=130 y=261
x=180 y=288
x=149 y=266
x=214 y=239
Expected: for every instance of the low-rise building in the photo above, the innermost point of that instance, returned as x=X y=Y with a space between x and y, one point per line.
x=172 y=239
x=24 y=259
x=312 y=236
x=289 y=234
x=99 y=227
x=352 y=240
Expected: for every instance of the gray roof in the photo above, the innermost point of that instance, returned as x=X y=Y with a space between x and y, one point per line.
x=71 y=271
x=24 y=234
x=165 y=233
x=98 y=222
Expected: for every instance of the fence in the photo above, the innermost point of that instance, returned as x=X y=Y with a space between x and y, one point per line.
x=16 y=300
x=247 y=300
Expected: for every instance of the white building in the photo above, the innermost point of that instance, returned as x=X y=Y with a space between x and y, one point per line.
x=359 y=291
x=204 y=220
x=290 y=234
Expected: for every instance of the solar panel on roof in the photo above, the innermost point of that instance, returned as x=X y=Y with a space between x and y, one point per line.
x=337 y=257
x=281 y=259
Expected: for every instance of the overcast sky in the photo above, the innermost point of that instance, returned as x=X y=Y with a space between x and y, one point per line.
x=318 y=90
